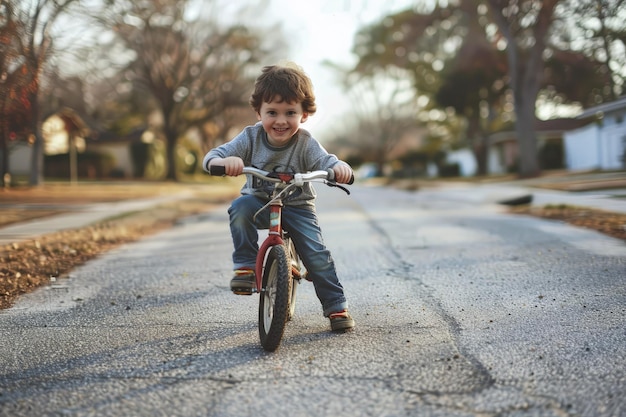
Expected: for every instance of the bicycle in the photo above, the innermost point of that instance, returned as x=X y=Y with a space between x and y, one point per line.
x=278 y=268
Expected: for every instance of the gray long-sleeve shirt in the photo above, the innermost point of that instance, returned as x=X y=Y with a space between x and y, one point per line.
x=303 y=153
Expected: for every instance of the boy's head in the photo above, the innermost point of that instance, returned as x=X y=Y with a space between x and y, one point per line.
x=286 y=83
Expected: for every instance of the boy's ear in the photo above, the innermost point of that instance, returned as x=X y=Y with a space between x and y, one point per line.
x=305 y=117
x=258 y=116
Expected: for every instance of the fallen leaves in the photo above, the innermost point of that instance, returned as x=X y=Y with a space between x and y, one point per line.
x=28 y=265
x=611 y=224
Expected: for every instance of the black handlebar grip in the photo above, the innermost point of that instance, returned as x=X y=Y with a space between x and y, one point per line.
x=331 y=176
x=217 y=170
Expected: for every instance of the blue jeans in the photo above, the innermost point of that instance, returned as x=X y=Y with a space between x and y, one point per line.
x=302 y=225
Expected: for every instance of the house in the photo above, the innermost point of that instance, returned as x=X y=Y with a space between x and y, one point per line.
x=118 y=152
x=57 y=130
x=601 y=142
x=504 y=148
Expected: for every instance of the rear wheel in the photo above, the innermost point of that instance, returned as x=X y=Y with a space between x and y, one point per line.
x=275 y=295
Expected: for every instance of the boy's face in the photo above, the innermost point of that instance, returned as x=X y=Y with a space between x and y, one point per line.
x=281 y=120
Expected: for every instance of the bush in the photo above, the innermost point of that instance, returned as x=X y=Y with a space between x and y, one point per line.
x=139 y=154
x=450 y=170
x=89 y=165
x=551 y=155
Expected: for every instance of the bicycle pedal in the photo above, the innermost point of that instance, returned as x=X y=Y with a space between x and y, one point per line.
x=241 y=291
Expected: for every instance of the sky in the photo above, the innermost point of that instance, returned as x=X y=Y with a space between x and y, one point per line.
x=320 y=30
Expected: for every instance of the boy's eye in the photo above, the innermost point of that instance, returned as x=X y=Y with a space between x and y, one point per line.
x=271 y=113
x=291 y=113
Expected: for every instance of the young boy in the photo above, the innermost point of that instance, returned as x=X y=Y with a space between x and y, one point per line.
x=282 y=99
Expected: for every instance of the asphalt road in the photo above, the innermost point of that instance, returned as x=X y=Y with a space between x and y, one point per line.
x=461 y=310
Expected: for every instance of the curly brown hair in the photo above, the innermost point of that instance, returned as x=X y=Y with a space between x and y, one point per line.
x=287 y=83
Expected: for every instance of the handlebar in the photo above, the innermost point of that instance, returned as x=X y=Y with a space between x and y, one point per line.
x=298 y=179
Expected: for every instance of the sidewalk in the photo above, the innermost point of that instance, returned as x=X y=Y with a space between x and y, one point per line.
x=593 y=190
x=613 y=200
x=608 y=199
x=80 y=217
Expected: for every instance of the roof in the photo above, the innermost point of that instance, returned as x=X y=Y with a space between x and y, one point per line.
x=611 y=106
x=109 y=137
x=74 y=123
x=544 y=128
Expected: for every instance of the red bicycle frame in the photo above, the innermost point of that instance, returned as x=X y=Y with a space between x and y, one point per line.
x=274 y=238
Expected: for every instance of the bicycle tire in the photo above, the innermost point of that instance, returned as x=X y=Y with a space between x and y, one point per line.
x=296 y=263
x=274 y=300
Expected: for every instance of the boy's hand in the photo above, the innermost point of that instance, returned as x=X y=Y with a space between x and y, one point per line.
x=233 y=165
x=343 y=173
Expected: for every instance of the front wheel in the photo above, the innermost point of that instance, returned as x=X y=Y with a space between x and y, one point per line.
x=296 y=272
x=275 y=297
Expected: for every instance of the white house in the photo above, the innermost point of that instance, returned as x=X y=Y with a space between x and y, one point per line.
x=600 y=144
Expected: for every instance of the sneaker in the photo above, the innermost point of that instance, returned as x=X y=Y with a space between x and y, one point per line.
x=341 y=320
x=243 y=282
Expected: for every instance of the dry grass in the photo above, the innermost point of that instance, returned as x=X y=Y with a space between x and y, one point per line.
x=611 y=224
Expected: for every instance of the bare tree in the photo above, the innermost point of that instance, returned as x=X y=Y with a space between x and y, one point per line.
x=596 y=28
x=10 y=80
x=192 y=67
x=384 y=108
x=31 y=43
x=477 y=62
x=525 y=26
x=444 y=49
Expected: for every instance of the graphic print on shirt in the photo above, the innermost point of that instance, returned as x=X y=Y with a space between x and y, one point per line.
x=268 y=187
